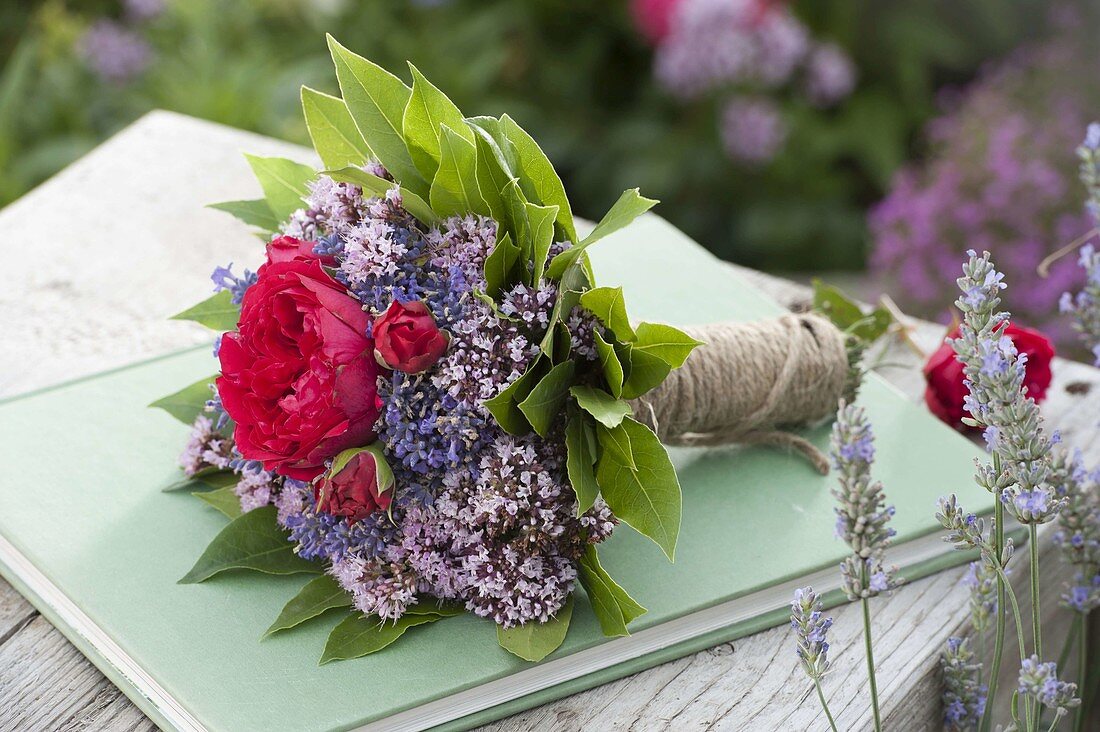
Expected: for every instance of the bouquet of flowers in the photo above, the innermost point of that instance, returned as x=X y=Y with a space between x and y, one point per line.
x=423 y=396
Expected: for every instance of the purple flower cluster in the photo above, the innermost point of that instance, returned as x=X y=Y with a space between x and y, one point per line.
x=1085 y=305
x=1039 y=681
x=206 y=448
x=478 y=516
x=999 y=177
x=752 y=48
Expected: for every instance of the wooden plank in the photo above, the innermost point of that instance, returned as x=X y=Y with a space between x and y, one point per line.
x=752 y=683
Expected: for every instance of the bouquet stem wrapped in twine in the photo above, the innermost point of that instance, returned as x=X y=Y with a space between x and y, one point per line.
x=752 y=382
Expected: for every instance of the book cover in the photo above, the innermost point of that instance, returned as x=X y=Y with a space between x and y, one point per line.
x=87 y=534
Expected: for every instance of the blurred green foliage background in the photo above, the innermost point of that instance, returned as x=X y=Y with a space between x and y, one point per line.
x=577 y=74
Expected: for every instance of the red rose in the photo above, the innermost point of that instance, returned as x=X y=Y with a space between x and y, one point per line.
x=359 y=484
x=407 y=339
x=944 y=374
x=298 y=377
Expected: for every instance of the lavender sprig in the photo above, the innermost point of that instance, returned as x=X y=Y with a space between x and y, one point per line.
x=964 y=695
x=861 y=522
x=810 y=628
x=862 y=515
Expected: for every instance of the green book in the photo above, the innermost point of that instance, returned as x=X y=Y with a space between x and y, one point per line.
x=89 y=537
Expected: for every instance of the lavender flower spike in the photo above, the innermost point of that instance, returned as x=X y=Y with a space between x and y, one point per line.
x=810 y=629
x=963 y=697
x=1040 y=682
x=862 y=516
x=1021 y=474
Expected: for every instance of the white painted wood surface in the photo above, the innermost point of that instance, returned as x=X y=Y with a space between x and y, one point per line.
x=97 y=258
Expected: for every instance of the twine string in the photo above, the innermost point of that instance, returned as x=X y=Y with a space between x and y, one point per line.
x=750 y=384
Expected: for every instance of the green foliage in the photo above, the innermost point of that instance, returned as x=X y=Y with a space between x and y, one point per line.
x=223 y=499
x=316 y=597
x=607 y=304
x=358 y=635
x=332 y=130
x=376 y=99
x=251 y=541
x=847 y=315
x=630 y=206
x=536 y=641
x=606 y=409
x=543 y=405
x=581 y=451
x=283 y=182
x=614 y=608
x=642 y=491
x=254 y=213
x=216 y=312
x=189 y=402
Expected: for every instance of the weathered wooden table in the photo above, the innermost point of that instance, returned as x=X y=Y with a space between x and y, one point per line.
x=97 y=258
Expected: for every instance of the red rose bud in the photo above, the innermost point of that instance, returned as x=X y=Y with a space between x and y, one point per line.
x=407 y=339
x=298 y=377
x=944 y=374
x=359 y=483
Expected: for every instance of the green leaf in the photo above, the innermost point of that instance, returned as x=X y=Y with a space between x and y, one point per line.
x=284 y=183
x=645 y=494
x=544 y=402
x=431 y=606
x=505 y=405
x=224 y=499
x=500 y=266
x=669 y=344
x=607 y=304
x=207 y=479
x=376 y=100
x=189 y=402
x=317 y=596
x=427 y=109
x=630 y=206
x=534 y=641
x=545 y=187
x=613 y=607
x=375 y=186
x=216 y=312
x=454 y=189
x=515 y=204
x=609 y=362
x=607 y=410
x=541 y=220
x=358 y=635
x=252 y=541
x=616 y=440
x=335 y=137
x=847 y=315
x=254 y=213
x=580 y=460
x=492 y=172
x=646 y=371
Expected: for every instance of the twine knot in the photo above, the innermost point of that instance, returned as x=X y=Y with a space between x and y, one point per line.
x=752 y=382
